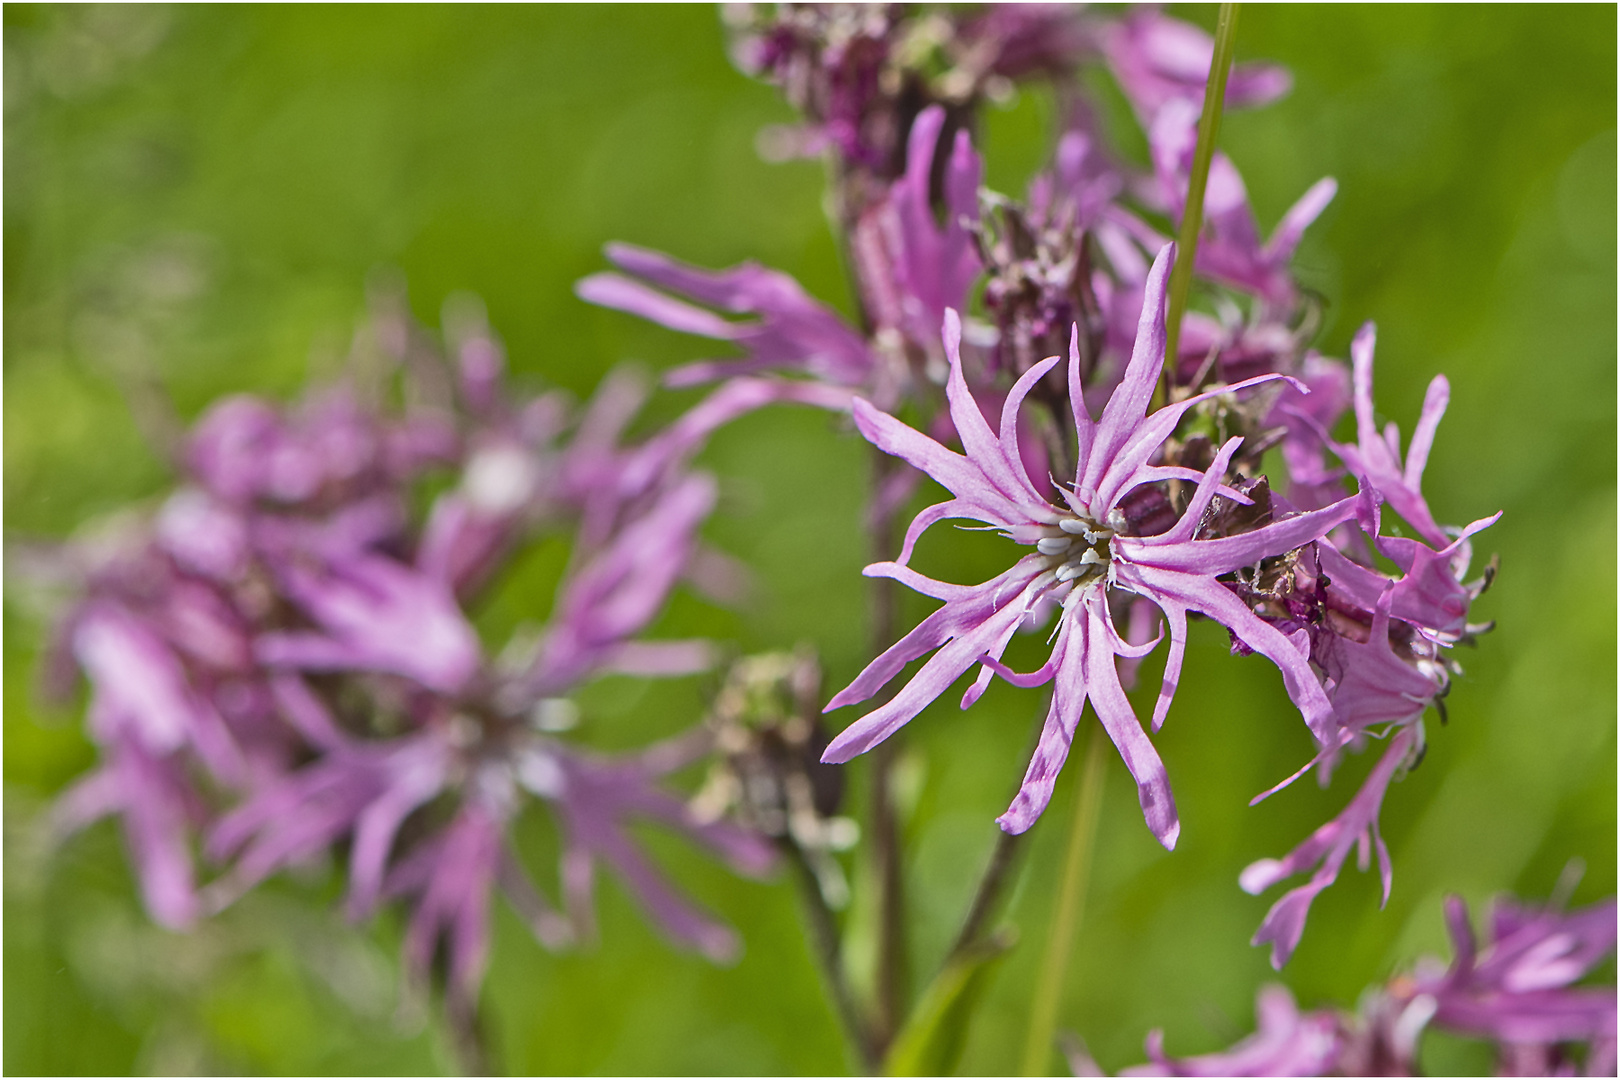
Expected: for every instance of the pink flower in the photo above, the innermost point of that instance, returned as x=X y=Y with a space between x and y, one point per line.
x=1378 y=642
x=1158 y=60
x=1288 y=1043
x=1520 y=989
x=1084 y=549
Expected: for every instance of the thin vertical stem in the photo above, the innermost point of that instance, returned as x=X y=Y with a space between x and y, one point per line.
x=891 y=989
x=1192 y=217
x=1071 y=906
x=824 y=936
x=469 y=1039
x=997 y=873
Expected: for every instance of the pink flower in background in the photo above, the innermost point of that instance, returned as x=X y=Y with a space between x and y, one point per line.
x=286 y=629
x=1518 y=993
x=1287 y=1043
x=1159 y=60
x=1230 y=250
x=1520 y=988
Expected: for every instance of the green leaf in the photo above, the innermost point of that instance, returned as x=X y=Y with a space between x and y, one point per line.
x=935 y=1032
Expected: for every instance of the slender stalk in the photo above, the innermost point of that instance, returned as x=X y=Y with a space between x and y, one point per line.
x=469 y=1040
x=1071 y=906
x=891 y=989
x=996 y=876
x=1192 y=217
x=824 y=936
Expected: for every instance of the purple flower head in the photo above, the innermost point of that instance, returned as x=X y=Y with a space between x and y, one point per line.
x=859 y=73
x=793 y=331
x=1381 y=671
x=1520 y=989
x=830 y=61
x=1085 y=546
x=1159 y=60
x=1287 y=1043
x=280 y=661
x=1231 y=251
x=478 y=751
x=1039 y=266
x=1379 y=643
x=1518 y=992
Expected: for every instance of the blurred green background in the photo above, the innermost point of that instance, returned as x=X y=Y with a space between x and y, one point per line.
x=202 y=192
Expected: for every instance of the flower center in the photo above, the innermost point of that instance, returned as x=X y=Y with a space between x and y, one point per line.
x=1077 y=549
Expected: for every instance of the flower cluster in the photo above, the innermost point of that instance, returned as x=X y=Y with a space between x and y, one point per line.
x=283 y=664
x=1519 y=993
x=281 y=661
x=1161 y=514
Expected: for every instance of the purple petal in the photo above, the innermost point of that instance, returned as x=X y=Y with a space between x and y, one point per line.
x=379 y=614
x=958 y=474
x=1417 y=452
x=962 y=631
x=1286 y=236
x=1119 y=719
x=1329 y=845
x=1221 y=555
x=1085 y=667
x=622 y=294
x=979 y=443
x=1208 y=596
x=1126 y=409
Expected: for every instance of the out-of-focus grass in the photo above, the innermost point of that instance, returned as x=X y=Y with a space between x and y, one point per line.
x=200 y=194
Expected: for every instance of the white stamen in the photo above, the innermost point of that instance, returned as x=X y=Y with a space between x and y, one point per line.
x=1053 y=545
x=1075 y=527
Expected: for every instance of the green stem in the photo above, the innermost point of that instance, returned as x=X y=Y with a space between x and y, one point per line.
x=1192 y=217
x=891 y=991
x=1071 y=906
